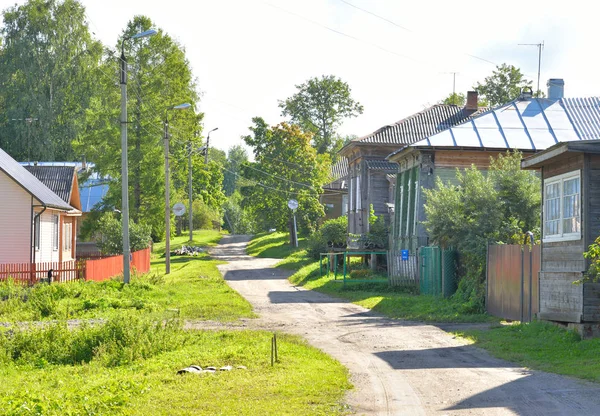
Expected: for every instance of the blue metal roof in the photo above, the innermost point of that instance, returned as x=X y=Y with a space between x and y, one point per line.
x=92 y=192
x=533 y=124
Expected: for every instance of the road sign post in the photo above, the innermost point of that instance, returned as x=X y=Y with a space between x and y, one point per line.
x=293 y=205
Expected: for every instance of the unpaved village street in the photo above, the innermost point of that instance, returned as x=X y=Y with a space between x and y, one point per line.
x=398 y=367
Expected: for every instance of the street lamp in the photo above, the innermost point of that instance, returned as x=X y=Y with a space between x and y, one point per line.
x=124 y=167
x=167 y=187
x=207 y=143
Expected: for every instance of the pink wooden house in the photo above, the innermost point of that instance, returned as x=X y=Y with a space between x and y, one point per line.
x=36 y=224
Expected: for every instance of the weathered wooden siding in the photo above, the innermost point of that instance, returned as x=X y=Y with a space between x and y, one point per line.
x=591 y=302
x=15 y=222
x=560 y=299
x=562 y=261
x=563 y=256
x=378 y=191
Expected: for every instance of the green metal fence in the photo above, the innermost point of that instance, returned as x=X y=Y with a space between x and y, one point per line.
x=437 y=271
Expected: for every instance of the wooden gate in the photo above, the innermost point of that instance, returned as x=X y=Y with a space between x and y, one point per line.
x=513 y=281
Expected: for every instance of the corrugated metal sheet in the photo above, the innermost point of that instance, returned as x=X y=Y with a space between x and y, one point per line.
x=58 y=178
x=422 y=124
x=339 y=169
x=381 y=165
x=30 y=183
x=534 y=124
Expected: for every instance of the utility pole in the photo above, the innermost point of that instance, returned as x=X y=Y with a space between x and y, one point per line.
x=540 y=47
x=167 y=201
x=168 y=187
x=124 y=162
x=191 y=219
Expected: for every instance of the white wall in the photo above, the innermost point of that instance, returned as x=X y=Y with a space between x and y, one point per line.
x=15 y=222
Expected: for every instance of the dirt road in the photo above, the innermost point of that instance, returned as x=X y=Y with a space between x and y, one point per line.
x=399 y=368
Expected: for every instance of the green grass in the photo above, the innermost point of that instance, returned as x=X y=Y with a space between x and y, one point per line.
x=194 y=289
x=398 y=303
x=273 y=245
x=305 y=381
x=202 y=238
x=541 y=346
x=128 y=365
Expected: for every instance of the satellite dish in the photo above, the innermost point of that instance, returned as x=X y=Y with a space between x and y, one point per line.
x=178 y=209
x=292 y=204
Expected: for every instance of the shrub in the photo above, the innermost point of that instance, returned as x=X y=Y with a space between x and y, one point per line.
x=332 y=234
x=120 y=341
x=109 y=236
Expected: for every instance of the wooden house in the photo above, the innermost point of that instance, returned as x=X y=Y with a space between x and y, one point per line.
x=32 y=218
x=335 y=193
x=571 y=222
x=62 y=180
x=527 y=124
x=371 y=177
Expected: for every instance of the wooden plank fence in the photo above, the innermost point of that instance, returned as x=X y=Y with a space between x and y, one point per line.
x=403 y=272
x=26 y=273
x=68 y=271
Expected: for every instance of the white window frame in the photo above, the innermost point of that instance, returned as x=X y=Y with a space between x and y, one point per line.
x=37 y=223
x=67 y=236
x=55 y=232
x=561 y=236
x=344 y=204
x=358 y=195
x=416 y=210
x=351 y=193
x=408 y=209
x=401 y=211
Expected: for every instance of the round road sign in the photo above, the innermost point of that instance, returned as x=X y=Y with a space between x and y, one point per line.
x=178 y=209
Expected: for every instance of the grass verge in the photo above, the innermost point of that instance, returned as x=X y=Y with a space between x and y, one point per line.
x=398 y=303
x=541 y=346
x=194 y=289
x=130 y=367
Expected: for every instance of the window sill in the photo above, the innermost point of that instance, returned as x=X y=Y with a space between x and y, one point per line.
x=558 y=239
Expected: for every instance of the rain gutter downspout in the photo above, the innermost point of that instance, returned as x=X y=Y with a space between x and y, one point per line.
x=32 y=236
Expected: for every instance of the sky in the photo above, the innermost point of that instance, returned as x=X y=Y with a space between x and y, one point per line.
x=397 y=56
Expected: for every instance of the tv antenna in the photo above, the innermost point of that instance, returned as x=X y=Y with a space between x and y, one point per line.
x=540 y=47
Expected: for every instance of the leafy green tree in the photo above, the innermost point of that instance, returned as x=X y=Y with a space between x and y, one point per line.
x=47 y=78
x=286 y=167
x=503 y=86
x=455 y=98
x=498 y=207
x=159 y=77
x=319 y=107
x=236 y=219
x=109 y=236
x=236 y=157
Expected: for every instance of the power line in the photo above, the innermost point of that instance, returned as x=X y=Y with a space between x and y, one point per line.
x=282 y=178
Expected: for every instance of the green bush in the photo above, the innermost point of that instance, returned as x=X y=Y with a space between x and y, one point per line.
x=204 y=216
x=120 y=341
x=331 y=234
x=109 y=235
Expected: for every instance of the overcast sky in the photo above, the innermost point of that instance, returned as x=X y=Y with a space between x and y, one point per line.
x=397 y=56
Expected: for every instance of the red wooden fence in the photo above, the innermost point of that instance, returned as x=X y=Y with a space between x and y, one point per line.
x=108 y=267
x=69 y=271
x=26 y=273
